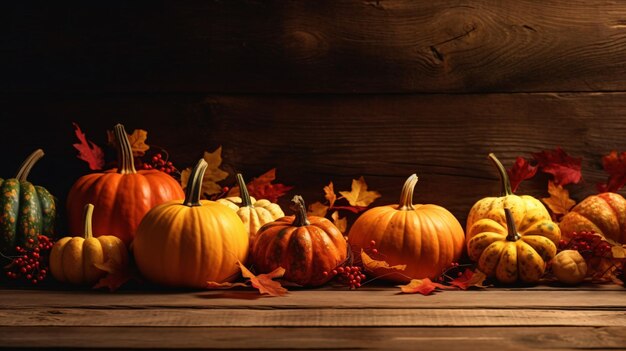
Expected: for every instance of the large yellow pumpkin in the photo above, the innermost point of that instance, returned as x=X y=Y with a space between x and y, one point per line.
x=74 y=259
x=604 y=214
x=187 y=243
x=493 y=207
x=426 y=238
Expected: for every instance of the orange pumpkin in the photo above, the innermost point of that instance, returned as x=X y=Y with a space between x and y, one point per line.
x=186 y=243
x=305 y=246
x=122 y=196
x=604 y=214
x=426 y=238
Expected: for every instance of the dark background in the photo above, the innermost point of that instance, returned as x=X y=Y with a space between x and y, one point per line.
x=321 y=90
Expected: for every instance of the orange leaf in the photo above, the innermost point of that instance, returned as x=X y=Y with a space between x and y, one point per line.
x=559 y=201
x=262 y=187
x=117 y=275
x=88 y=151
x=329 y=194
x=264 y=282
x=225 y=285
x=423 y=286
x=137 y=141
x=340 y=223
x=317 y=209
x=359 y=195
x=469 y=279
x=212 y=175
x=379 y=267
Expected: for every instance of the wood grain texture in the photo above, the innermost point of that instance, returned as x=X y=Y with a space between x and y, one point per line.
x=312 y=140
x=379 y=338
x=326 y=46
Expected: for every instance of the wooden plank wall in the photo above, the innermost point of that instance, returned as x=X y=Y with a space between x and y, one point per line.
x=322 y=90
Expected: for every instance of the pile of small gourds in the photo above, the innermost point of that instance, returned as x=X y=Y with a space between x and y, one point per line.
x=179 y=240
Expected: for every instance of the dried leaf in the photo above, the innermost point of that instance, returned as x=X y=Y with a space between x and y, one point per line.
x=559 y=201
x=137 y=141
x=340 y=223
x=423 y=286
x=212 y=175
x=117 y=275
x=618 y=252
x=380 y=267
x=262 y=187
x=329 y=194
x=88 y=151
x=359 y=195
x=564 y=168
x=353 y=209
x=614 y=165
x=264 y=282
x=521 y=170
x=469 y=279
x=225 y=285
x=317 y=209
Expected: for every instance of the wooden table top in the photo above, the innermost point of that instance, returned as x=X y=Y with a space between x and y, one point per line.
x=589 y=317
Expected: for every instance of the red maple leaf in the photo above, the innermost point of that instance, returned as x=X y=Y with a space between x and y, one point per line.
x=520 y=171
x=564 y=168
x=423 y=286
x=615 y=165
x=468 y=279
x=88 y=151
x=262 y=187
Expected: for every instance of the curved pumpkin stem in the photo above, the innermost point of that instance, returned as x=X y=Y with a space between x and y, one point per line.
x=246 y=201
x=28 y=164
x=301 y=219
x=512 y=234
x=504 y=177
x=87 y=216
x=406 y=196
x=193 y=192
x=126 y=163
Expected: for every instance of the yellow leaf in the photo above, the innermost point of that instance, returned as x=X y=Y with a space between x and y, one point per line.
x=359 y=195
x=137 y=141
x=372 y=265
x=618 y=251
x=317 y=209
x=559 y=201
x=340 y=223
x=329 y=194
x=212 y=175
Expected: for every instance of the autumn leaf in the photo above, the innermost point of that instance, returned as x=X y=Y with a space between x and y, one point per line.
x=225 y=285
x=264 y=282
x=423 y=286
x=520 y=171
x=380 y=267
x=559 y=201
x=88 y=151
x=117 y=275
x=262 y=187
x=614 y=165
x=469 y=279
x=329 y=194
x=564 y=168
x=212 y=175
x=137 y=141
x=317 y=209
x=359 y=195
x=340 y=223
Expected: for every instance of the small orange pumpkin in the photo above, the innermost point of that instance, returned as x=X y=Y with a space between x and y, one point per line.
x=122 y=196
x=427 y=238
x=186 y=243
x=305 y=246
x=604 y=214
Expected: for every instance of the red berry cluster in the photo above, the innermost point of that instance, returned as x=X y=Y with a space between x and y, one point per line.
x=160 y=164
x=348 y=275
x=453 y=271
x=31 y=265
x=589 y=244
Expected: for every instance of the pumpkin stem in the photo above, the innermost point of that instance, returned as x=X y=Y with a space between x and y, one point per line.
x=406 y=196
x=301 y=219
x=87 y=215
x=194 y=184
x=28 y=164
x=126 y=163
x=246 y=201
x=512 y=234
x=504 y=177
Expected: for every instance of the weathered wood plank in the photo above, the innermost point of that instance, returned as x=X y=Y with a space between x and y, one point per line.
x=318 y=317
x=610 y=298
x=325 y=46
x=485 y=338
x=312 y=140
